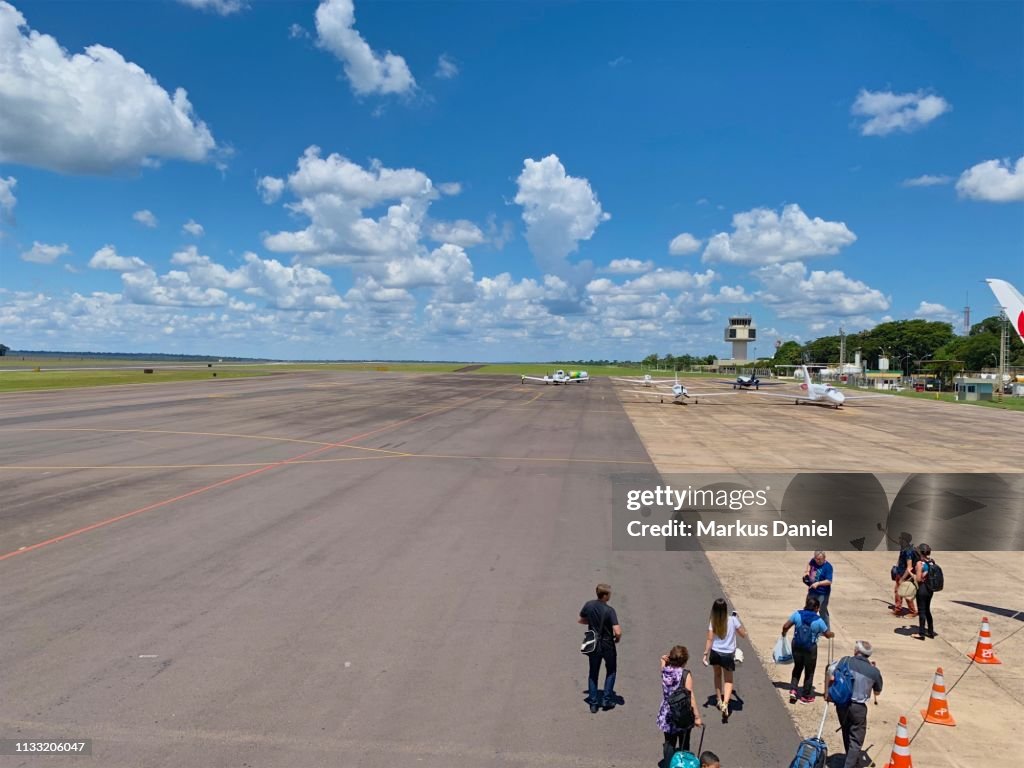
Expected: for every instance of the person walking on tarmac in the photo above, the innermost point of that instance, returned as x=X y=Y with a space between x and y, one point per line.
x=818 y=578
x=903 y=571
x=720 y=651
x=675 y=677
x=924 y=592
x=863 y=677
x=602 y=619
x=809 y=627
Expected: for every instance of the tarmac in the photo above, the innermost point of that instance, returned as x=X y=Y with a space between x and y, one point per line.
x=340 y=569
x=752 y=434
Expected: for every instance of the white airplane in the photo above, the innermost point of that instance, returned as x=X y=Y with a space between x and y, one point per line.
x=824 y=394
x=677 y=391
x=1011 y=301
x=646 y=381
x=748 y=382
x=559 y=377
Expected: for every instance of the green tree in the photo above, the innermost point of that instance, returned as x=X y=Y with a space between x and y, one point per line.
x=789 y=353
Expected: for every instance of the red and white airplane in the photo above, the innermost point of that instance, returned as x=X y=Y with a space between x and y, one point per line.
x=1011 y=301
x=822 y=394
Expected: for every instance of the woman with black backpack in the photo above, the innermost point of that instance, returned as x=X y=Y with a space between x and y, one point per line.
x=925 y=576
x=678 y=714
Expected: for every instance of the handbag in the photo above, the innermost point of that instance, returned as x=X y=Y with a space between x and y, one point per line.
x=589 y=642
x=783 y=652
x=592 y=637
x=907 y=589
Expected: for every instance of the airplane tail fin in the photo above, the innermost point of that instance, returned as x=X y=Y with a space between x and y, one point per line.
x=1011 y=301
x=807 y=378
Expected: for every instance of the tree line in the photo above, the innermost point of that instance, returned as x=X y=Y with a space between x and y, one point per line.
x=911 y=345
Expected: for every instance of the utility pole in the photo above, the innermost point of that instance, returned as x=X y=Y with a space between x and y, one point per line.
x=842 y=349
x=1003 y=349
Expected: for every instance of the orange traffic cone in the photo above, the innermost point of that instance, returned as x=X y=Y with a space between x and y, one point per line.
x=938 y=710
x=983 y=652
x=901 y=747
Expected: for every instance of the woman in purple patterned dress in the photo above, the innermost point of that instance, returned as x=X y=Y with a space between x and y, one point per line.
x=674 y=674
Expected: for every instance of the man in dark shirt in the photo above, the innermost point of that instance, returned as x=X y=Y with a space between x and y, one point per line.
x=853 y=717
x=818 y=578
x=601 y=617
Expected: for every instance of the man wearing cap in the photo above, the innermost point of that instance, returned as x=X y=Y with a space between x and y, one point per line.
x=853 y=717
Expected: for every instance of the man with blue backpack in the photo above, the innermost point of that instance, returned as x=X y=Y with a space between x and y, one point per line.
x=853 y=678
x=809 y=627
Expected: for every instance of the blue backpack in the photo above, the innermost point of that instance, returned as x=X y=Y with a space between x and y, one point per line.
x=840 y=691
x=812 y=753
x=804 y=636
x=684 y=760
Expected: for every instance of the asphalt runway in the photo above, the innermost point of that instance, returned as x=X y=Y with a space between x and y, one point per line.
x=339 y=569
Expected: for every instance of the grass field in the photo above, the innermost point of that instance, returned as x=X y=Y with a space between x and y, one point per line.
x=21 y=381
x=1009 y=403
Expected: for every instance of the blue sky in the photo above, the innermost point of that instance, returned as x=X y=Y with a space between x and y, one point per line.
x=501 y=180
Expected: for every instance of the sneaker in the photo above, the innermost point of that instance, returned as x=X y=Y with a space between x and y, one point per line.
x=807 y=699
x=792 y=696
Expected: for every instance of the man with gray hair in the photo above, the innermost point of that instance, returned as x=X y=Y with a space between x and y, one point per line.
x=853 y=714
x=818 y=578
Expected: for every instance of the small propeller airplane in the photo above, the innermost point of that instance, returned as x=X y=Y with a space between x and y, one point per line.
x=646 y=381
x=677 y=391
x=822 y=394
x=748 y=382
x=559 y=377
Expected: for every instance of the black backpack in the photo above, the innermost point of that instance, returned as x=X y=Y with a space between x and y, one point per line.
x=934 y=579
x=680 y=708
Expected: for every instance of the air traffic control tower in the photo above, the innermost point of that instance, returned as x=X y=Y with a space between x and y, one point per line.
x=740 y=331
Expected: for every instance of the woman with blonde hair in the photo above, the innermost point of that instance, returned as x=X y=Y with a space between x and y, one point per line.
x=676 y=678
x=720 y=651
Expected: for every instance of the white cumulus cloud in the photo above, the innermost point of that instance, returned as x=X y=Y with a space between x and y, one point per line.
x=887 y=112
x=41 y=253
x=995 y=181
x=446 y=67
x=270 y=189
x=933 y=311
x=221 y=7
x=927 y=180
x=92 y=112
x=367 y=71
x=683 y=244
x=794 y=292
x=461 y=232
x=7 y=198
x=627 y=267
x=193 y=228
x=559 y=211
x=108 y=258
x=145 y=218
x=762 y=236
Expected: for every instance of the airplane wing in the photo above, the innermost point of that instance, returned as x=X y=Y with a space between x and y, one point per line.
x=577 y=381
x=864 y=397
x=648 y=392
x=712 y=394
x=794 y=396
x=542 y=380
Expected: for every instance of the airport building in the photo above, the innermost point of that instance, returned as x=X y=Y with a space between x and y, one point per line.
x=740 y=331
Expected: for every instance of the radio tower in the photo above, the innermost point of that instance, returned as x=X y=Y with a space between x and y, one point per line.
x=967 y=314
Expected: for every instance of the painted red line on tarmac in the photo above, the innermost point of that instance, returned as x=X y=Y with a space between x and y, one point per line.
x=227 y=481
